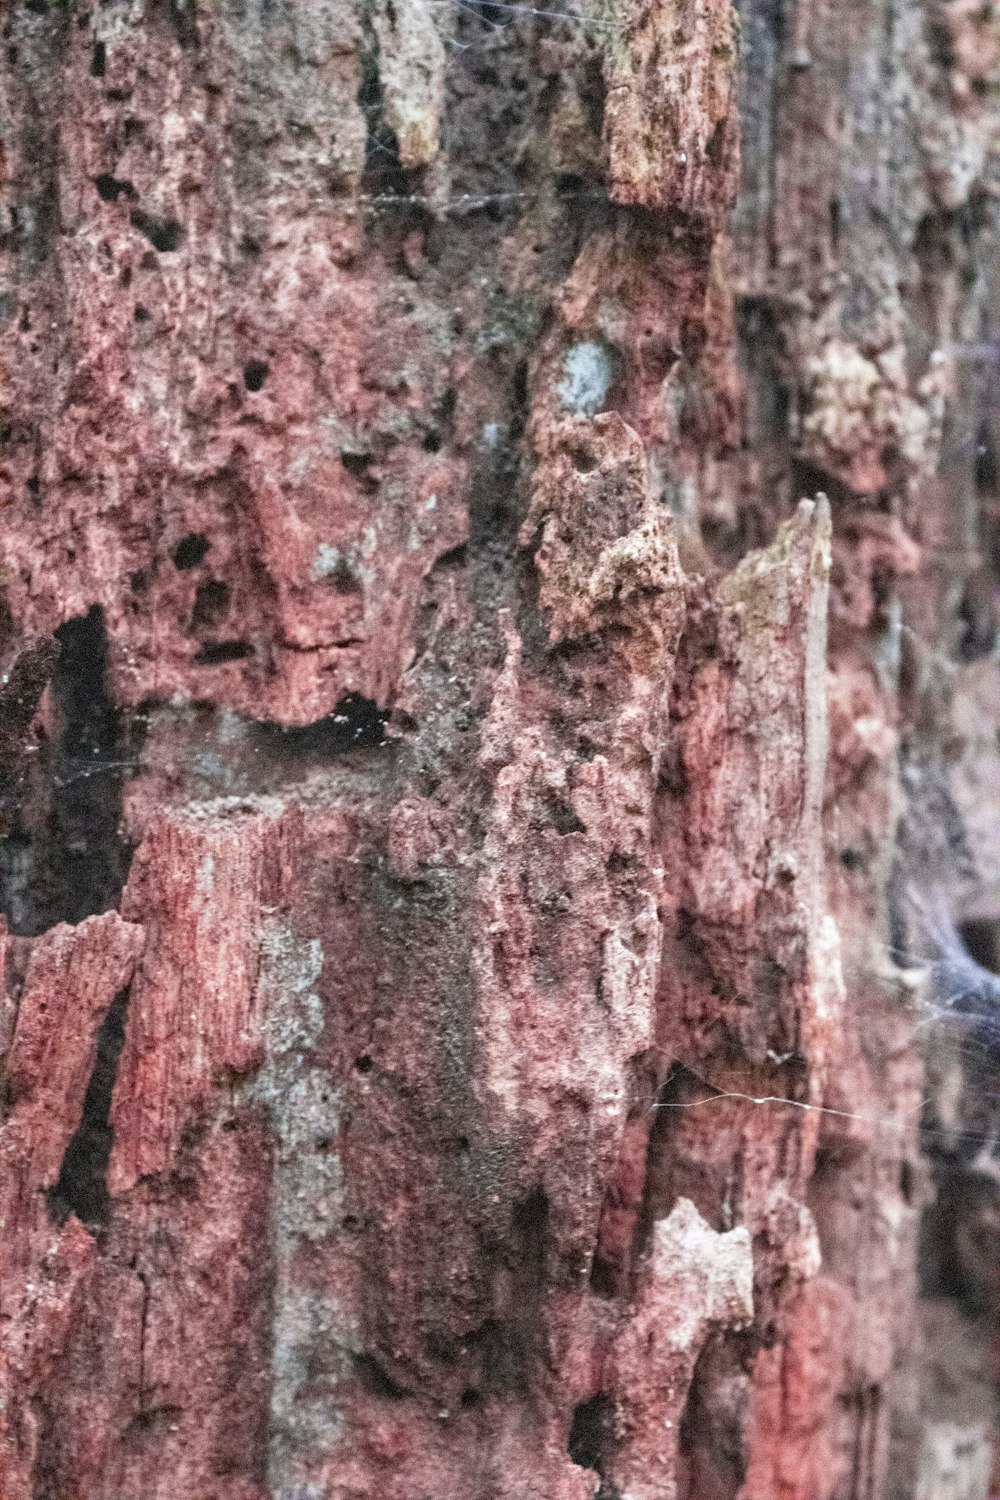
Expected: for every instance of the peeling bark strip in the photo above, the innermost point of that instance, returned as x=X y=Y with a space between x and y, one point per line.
x=492 y=1084
x=201 y=882
x=670 y=122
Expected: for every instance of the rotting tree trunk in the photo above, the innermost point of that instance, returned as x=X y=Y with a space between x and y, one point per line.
x=434 y=733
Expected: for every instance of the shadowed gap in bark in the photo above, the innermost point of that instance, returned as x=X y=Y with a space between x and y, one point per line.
x=82 y=1187
x=66 y=859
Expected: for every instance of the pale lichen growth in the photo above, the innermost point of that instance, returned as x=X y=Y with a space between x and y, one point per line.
x=304 y=1106
x=411 y=71
x=588 y=370
x=863 y=424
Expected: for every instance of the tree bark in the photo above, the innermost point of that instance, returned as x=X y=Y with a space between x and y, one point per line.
x=499 y=524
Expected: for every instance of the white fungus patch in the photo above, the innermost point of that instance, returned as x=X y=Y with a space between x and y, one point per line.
x=588 y=371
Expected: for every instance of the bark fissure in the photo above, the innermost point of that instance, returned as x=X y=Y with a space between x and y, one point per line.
x=82 y=1185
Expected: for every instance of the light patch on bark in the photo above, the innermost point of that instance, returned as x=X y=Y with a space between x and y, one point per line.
x=411 y=68
x=698 y=1282
x=670 y=121
x=955 y=1463
x=307 y=1201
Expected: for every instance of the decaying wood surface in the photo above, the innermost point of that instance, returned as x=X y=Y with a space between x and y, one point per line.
x=498 y=531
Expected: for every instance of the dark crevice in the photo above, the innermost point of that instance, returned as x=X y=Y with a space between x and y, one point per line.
x=110 y=188
x=356 y=463
x=343 y=579
x=190 y=551
x=592 y=1431
x=659 y=1188
x=385 y=176
x=864 y=1410
x=712 y=1444
x=564 y=820
x=82 y=1186
x=529 y=1240
x=499 y=501
x=977 y=617
x=624 y=1224
x=165 y=235
x=211 y=603
x=981 y=936
x=50 y=1453
x=530 y=1228
x=215 y=653
x=376 y=1379
x=503 y=1354
x=987 y=467
x=958 y=1257
x=89 y=858
x=762 y=351
x=149 y=1420
x=255 y=373
x=808 y=480
x=496 y=1353
x=604 y=1280
x=65 y=859
x=384 y=173
x=355 y=724
x=834 y=218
